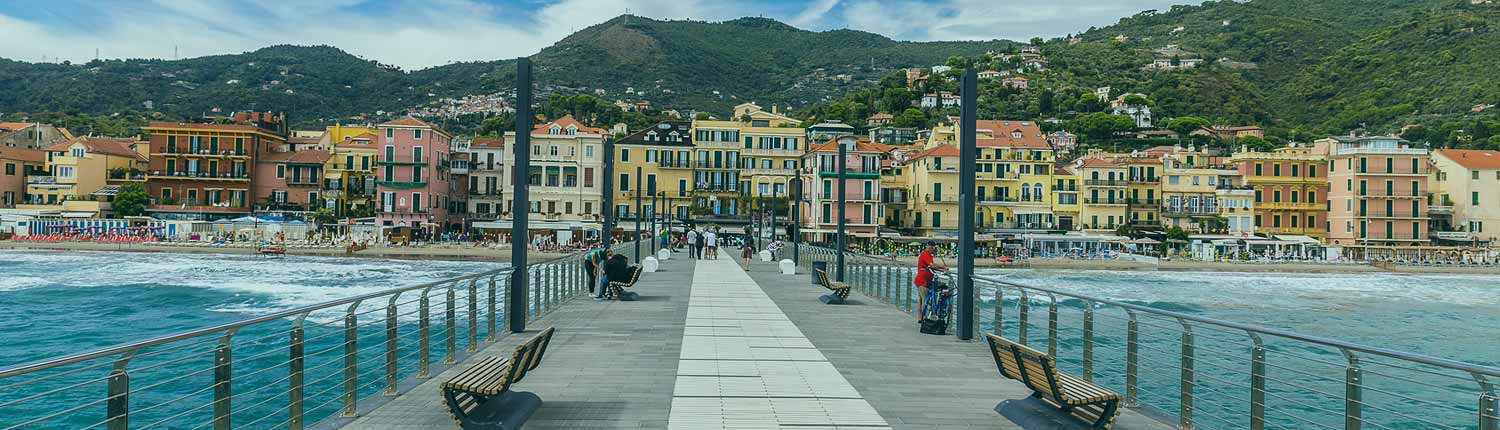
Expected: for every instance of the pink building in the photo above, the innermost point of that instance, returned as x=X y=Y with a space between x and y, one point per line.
x=820 y=174
x=1377 y=192
x=411 y=177
x=289 y=181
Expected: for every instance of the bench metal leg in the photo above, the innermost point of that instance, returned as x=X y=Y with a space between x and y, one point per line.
x=508 y=411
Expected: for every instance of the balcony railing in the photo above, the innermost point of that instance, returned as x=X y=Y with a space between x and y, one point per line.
x=202 y=152
x=1440 y=209
x=201 y=175
x=41 y=180
x=1193 y=210
x=1105 y=182
x=401 y=184
x=1120 y=202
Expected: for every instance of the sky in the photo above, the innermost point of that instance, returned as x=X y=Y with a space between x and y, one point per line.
x=416 y=34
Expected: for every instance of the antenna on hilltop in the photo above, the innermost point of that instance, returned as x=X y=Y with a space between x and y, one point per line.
x=174 y=53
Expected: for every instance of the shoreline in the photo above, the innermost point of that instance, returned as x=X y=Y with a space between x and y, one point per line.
x=502 y=255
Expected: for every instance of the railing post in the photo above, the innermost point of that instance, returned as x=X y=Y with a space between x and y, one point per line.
x=536 y=294
x=1257 y=383
x=295 y=362
x=1088 y=341
x=424 y=336
x=1489 y=404
x=1024 y=307
x=390 y=345
x=999 y=304
x=450 y=326
x=473 y=316
x=906 y=288
x=223 y=380
x=1132 y=349
x=1185 y=418
x=489 y=335
x=1353 y=392
x=117 y=408
x=351 y=361
x=1051 y=325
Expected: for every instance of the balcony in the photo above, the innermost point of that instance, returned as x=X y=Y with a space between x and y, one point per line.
x=1144 y=180
x=302 y=182
x=43 y=181
x=1397 y=196
x=1105 y=202
x=717 y=188
x=1189 y=210
x=199 y=176
x=401 y=184
x=1293 y=206
x=199 y=153
x=773 y=172
x=1440 y=209
x=458 y=167
x=491 y=193
x=1104 y=183
x=771 y=152
x=1231 y=187
x=1452 y=235
x=400 y=163
x=1401 y=215
x=673 y=164
x=851 y=174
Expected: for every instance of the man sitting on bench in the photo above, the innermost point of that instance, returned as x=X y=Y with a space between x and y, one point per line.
x=621 y=275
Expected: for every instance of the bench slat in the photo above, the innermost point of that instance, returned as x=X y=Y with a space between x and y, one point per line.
x=1083 y=399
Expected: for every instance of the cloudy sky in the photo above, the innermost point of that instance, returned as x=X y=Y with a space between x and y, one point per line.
x=415 y=34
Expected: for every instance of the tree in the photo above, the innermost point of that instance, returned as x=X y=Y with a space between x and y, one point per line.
x=701 y=116
x=1185 y=125
x=1036 y=41
x=1137 y=100
x=1126 y=230
x=324 y=217
x=131 y=200
x=1255 y=144
x=1101 y=125
x=1176 y=233
x=910 y=118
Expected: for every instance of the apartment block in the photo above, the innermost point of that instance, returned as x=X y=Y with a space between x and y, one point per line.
x=1377 y=191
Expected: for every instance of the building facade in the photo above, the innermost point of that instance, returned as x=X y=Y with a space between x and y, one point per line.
x=1466 y=190
x=566 y=175
x=349 y=175
x=16 y=164
x=664 y=154
x=862 y=189
x=85 y=173
x=1291 y=190
x=487 y=169
x=411 y=176
x=201 y=171
x=1377 y=191
x=31 y=135
x=290 y=183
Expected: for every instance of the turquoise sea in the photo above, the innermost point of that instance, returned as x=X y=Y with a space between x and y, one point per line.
x=56 y=303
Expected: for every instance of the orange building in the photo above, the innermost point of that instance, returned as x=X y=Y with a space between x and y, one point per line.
x=1377 y=191
x=1291 y=190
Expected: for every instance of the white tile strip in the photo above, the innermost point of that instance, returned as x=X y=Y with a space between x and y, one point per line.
x=745 y=365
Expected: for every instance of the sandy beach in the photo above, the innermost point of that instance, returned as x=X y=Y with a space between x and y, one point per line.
x=502 y=254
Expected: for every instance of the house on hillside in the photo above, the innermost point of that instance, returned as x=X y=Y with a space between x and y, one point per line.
x=1017 y=82
x=879 y=119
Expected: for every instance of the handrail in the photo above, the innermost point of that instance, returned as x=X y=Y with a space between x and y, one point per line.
x=1419 y=358
x=130 y=346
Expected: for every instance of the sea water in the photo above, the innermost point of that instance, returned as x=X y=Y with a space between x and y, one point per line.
x=59 y=303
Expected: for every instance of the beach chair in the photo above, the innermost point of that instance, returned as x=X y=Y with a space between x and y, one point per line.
x=837 y=291
x=480 y=397
x=1091 y=403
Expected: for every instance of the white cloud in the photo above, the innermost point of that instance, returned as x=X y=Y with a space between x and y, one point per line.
x=421 y=34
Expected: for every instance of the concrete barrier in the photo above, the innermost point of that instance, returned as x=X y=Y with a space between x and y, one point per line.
x=788 y=267
x=649 y=265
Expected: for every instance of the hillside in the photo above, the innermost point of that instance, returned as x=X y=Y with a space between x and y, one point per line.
x=678 y=64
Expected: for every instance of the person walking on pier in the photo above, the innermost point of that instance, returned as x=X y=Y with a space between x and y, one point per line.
x=694 y=248
x=712 y=243
x=925 y=276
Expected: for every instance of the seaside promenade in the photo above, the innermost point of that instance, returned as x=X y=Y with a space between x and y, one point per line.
x=711 y=346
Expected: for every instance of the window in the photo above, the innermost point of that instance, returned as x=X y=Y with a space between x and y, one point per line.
x=390 y=133
x=416 y=134
x=937 y=195
x=937 y=219
x=588 y=177
x=827 y=213
x=416 y=202
x=10 y=169
x=1294 y=173
x=624 y=155
x=624 y=182
x=78 y=152
x=588 y=151
x=1276 y=169
x=281 y=171
x=416 y=154
x=1473 y=174
x=1474 y=198
x=390 y=153
x=171 y=143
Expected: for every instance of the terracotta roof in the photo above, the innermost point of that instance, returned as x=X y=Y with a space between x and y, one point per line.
x=349 y=141
x=13 y=126
x=863 y=144
x=1031 y=134
x=202 y=126
x=1161 y=148
x=23 y=154
x=1473 y=158
x=939 y=151
x=101 y=145
x=1064 y=171
x=300 y=157
x=1097 y=163
x=564 y=122
x=881 y=115
x=488 y=142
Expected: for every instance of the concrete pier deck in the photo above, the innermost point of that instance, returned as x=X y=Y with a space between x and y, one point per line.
x=712 y=345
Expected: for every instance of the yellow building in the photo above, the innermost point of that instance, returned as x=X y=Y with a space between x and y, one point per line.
x=1104 y=194
x=1291 y=189
x=1066 y=202
x=755 y=153
x=350 y=171
x=86 y=173
x=664 y=153
x=933 y=187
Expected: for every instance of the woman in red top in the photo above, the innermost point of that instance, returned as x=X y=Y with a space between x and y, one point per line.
x=923 y=281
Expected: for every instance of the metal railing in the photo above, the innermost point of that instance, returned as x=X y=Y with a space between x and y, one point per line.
x=324 y=362
x=1208 y=373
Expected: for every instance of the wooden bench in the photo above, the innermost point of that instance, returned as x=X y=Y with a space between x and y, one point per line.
x=837 y=291
x=1091 y=403
x=480 y=397
x=616 y=289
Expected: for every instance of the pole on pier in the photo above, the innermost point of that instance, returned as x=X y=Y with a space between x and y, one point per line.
x=608 y=209
x=638 y=208
x=843 y=144
x=966 y=155
x=796 y=223
x=520 y=200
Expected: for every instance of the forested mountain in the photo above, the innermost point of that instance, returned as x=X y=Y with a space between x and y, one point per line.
x=1300 y=68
